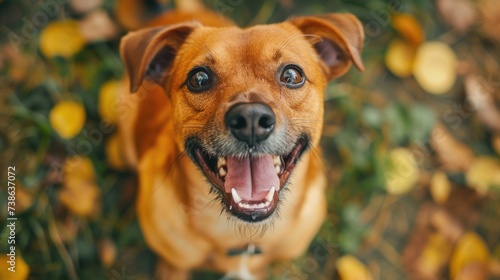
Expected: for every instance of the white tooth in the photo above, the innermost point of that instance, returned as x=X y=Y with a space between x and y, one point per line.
x=277 y=168
x=261 y=205
x=221 y=162
x=276 y=160
x=230 y=207
x=236 y=197
x=222 y=172
x=267 y=203
x=270 y=195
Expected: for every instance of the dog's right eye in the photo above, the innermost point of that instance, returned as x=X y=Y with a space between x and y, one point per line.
x=199 y=79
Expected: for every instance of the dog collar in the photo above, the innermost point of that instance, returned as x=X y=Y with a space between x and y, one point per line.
x=249 y=249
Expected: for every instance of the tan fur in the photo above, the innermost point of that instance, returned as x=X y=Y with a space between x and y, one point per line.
x=179 y=218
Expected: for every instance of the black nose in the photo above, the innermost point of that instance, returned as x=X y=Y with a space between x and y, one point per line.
x=250 y=122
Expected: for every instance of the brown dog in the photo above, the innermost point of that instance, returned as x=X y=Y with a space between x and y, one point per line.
x=225 y=131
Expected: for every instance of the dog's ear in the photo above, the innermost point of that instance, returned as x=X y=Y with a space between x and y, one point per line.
x=337 y=38
x=149 y=53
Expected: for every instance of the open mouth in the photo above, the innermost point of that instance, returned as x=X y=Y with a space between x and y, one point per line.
x=249 y=185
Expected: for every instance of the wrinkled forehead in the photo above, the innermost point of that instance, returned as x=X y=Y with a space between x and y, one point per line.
x=257 y=44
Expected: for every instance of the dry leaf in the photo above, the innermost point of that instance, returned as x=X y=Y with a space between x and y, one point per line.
x=399 y=58
x=475 y=270
x=484 y=173
x=108 y=97
x=454 y=155
x=440 y=187
x=402 y=172
x=490 y=17
x=61 y=38
x=84 y=6
x=435 y=255
x=435 y=67
x=115 y=152
x=350 y=268
x=80 y=193
x=409 y=28
x=24 y=198
x=460 y=14
x=22 y=269
x=107 y=252
x=97 y=26
x=67 y=118
x=470 y=249
x=480 y=95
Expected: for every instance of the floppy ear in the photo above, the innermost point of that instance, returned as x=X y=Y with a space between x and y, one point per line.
x=149 y=53
x=337 y=38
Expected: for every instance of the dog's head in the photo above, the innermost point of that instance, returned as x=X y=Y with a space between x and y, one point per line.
x=247 y=103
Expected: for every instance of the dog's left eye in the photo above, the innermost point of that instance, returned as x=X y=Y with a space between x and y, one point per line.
x=199 y=79
x=292 y=76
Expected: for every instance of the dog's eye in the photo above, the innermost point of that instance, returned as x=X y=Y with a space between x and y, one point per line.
x=199 y=79
x=292 y=76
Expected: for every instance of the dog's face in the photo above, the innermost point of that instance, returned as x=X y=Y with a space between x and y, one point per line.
x=247 y=102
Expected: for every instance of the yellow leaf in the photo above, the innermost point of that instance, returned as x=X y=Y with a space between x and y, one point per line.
x=107 y=252
x=435 y=67
x=67 y=118
x=399 y=58
x=79 y=194
x=114 y=152
x=402 y=172
x=435 y=255
x=484 y=173
x=108 y=97
x=61 y=38
x=409 y=28
x=440 y=187
x=22 y=269
x=469 y=249
x=350 y=268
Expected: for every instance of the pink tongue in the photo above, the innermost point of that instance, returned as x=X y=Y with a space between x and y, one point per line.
x=252 y=178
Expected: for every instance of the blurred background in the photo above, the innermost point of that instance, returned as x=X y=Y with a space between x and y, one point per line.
x=411 y=146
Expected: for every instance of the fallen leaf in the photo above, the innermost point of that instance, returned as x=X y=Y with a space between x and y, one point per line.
x=480 y=95
x=408 y=27
x=115 y=152
x=470 y=249
x=108 y=97
x=80 y=194
x=399 y=58
x=24 y=198
x=350 y=268
x=61 y=38
x=475 y=270
x=107 y=252
x=402 y=172
x=67 y=118
x=484 y=173
x=490 y=18
x=459 y=14
x=435 y=67
x=97 y=26
x=435 y=255
x=22 y=269
x=453 y=154
x=440 y=187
